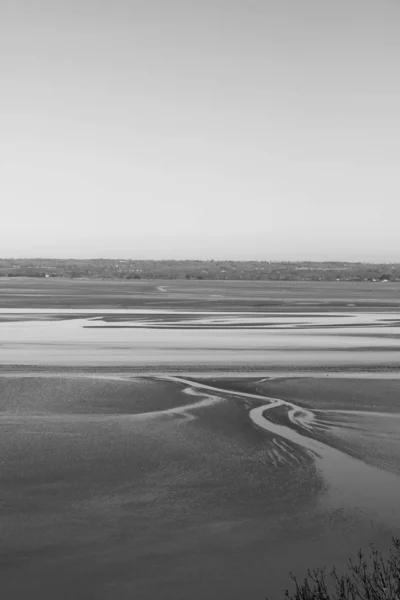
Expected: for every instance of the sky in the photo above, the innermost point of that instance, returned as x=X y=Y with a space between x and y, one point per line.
x=199 y=129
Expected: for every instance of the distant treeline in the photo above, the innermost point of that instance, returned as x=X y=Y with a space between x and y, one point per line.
x=199 y=269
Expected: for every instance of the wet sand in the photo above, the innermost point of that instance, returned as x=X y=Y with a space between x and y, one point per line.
x=193 y=454
x=199 y=295
x=356 y=339
x=192 y=500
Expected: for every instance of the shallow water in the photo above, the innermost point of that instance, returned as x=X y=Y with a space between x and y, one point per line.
x=143 y=339
x=363 y=486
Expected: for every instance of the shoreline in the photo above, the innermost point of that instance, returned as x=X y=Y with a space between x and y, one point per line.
x=371 y=371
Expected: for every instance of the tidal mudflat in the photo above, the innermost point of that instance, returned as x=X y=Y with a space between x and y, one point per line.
x=201 y=339
x=175 y=453
x=121 y=486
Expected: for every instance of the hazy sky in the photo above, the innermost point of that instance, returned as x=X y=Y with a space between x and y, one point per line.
x=262 y=129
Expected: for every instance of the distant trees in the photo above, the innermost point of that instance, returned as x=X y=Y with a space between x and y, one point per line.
x=199 y=269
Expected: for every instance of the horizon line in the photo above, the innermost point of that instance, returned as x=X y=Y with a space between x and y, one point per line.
x=240 y=260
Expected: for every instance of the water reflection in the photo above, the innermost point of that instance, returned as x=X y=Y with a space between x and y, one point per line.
x=153 y=338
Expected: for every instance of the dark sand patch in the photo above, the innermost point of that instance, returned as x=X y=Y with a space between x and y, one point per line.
x=235 y=295
x=86 y=396
x=122 y=508
x=324 y=393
